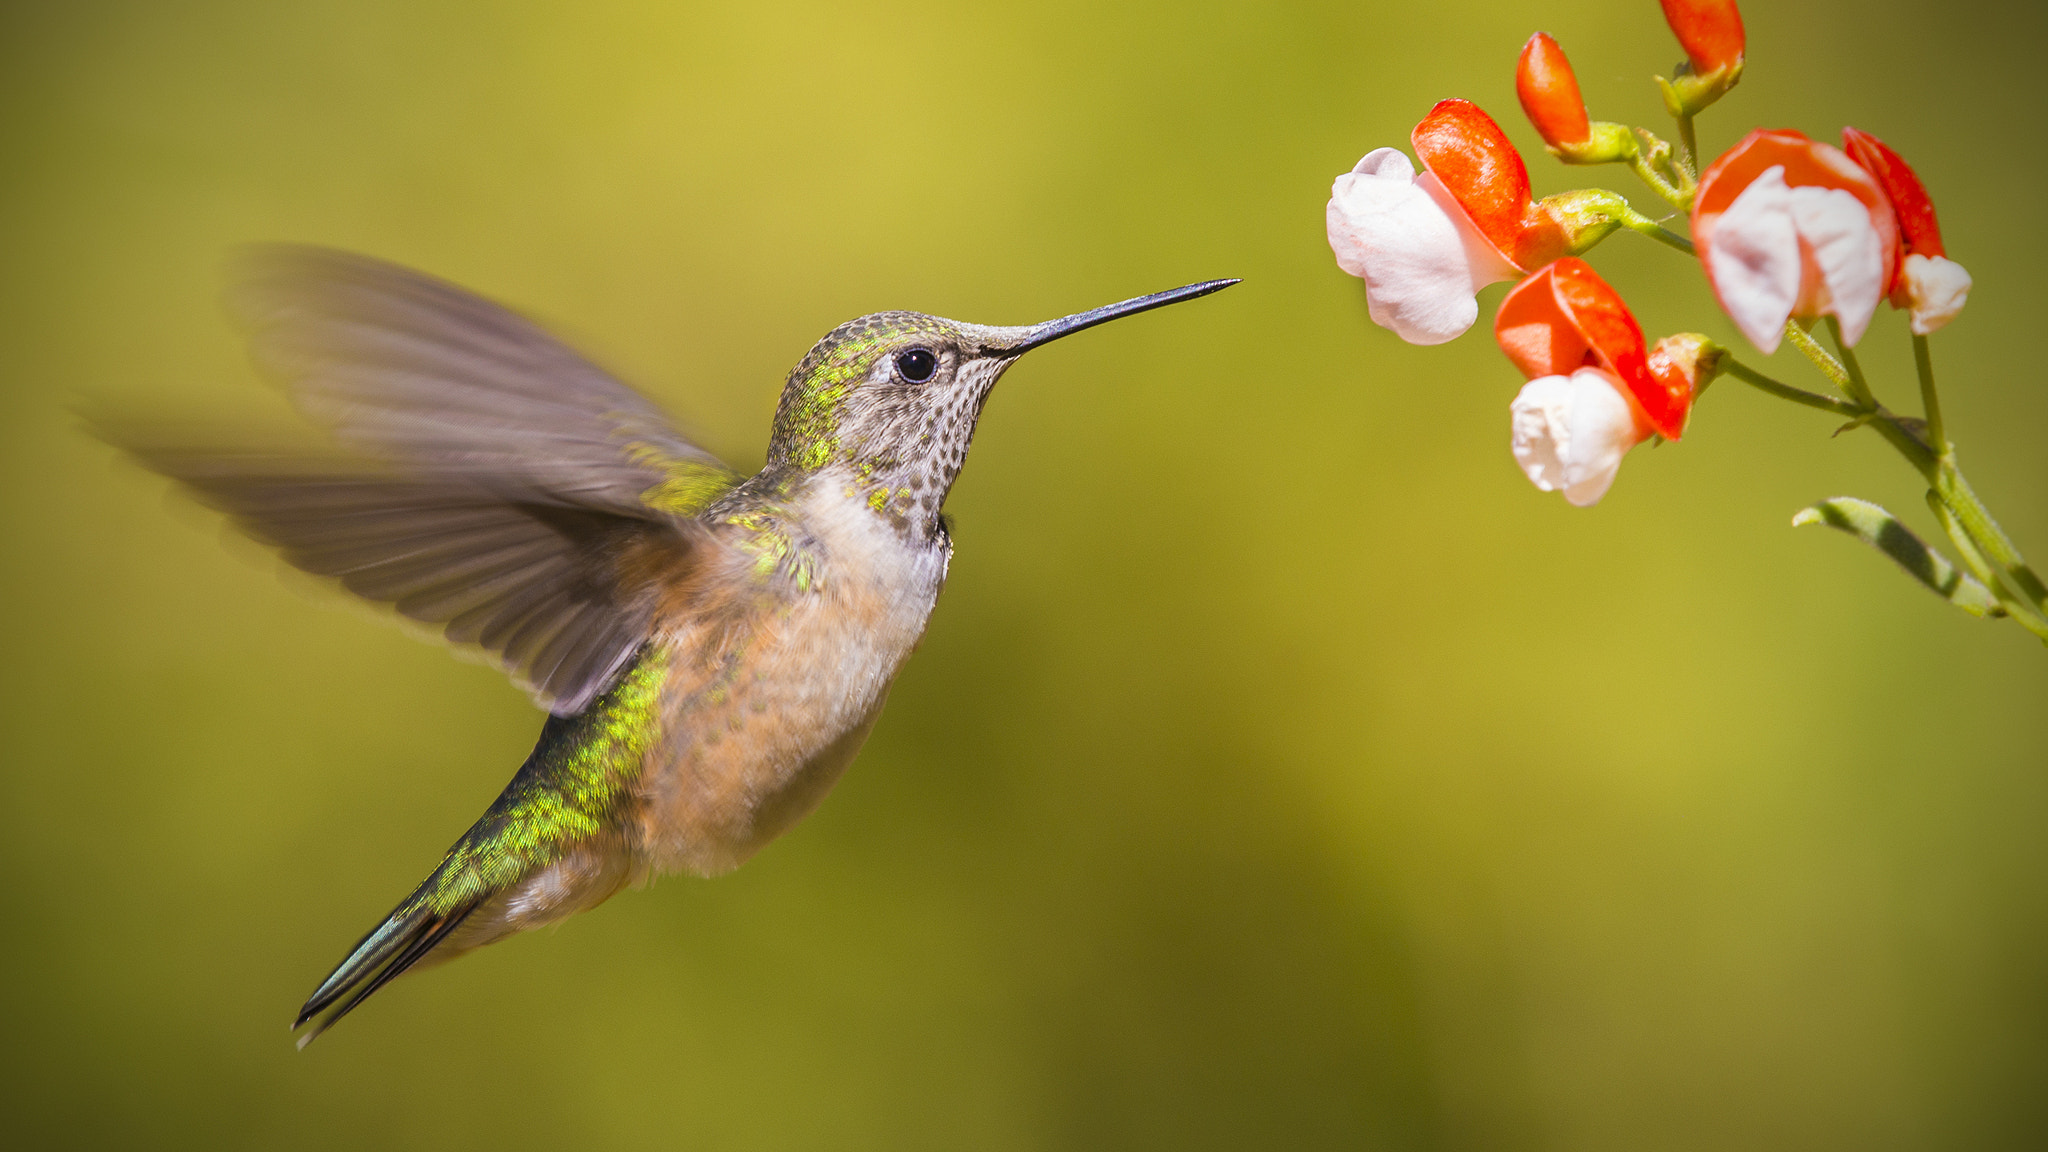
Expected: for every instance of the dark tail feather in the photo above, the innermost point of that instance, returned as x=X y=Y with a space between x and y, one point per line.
x=392 y=947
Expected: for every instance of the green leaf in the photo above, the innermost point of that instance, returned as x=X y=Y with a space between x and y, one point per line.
x=1882 y=531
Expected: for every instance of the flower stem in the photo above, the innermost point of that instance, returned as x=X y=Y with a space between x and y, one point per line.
x=1830 y=367
x=1985 y=548
x=1688 y=148
x=1671 y=193
x=1785 y=391
x=1930 y=403
x=1862 y=392
x=1956 y=495
x=1639 y=223
x=1991 y=540
x=1935 y=458
x=2021 y=612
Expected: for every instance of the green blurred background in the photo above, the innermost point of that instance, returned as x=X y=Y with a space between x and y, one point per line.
x=1281 y=770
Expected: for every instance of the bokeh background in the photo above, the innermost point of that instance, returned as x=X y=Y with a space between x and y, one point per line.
x=1281 y=770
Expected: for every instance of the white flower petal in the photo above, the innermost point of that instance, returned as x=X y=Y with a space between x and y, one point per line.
x=1756 y=264
x=1571 y=432
x=1846 y=252
x=1484 y=262
x=1387 y=228
x=1391 y=163
x=1936 y=288
x=1540 y=417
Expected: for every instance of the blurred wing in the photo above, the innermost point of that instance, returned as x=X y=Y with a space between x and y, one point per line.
x=495 y=483
x=559 y=596
x=415 y=370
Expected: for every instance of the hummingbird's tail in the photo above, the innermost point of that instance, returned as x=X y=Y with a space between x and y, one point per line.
x=553 y=844
x=404 y=939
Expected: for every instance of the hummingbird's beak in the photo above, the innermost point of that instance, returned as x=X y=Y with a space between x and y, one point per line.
x=1025 y=339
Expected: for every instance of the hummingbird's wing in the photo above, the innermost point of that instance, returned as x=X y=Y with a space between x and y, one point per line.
x=404 y=366
x=492 y=482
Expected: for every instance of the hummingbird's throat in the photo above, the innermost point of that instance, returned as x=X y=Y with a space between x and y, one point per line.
x=917 y=451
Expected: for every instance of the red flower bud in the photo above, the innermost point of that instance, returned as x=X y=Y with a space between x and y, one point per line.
x=1550 y=93
x=1710 y=31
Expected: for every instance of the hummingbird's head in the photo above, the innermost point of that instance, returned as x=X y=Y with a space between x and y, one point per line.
x=893 y=397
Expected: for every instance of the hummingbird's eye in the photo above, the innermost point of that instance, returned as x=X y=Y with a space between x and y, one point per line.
x=917 y=365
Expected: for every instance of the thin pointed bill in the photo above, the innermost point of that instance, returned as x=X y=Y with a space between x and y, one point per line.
x=1017 y=341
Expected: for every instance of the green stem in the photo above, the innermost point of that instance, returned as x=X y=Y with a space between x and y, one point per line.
x=1930 y=403
x=1785 y=391
x=1688 y=148
x=1672 y=194
x=1900 y=435
x=1985 y=547
x=1828 y=365
x=1643 y=225
x=1958 y=497
x=1855 y=371
x=1965 y=548
x=1990 y=539
x=1986 y=573
x=1657 y=167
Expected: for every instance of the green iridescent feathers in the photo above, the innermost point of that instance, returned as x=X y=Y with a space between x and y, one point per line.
x=808 y=419
x=570 y=792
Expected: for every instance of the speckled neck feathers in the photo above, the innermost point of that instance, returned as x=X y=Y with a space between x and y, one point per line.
x=849 y=410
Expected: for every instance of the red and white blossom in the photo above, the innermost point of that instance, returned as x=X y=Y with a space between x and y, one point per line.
x=1565 y=317
x=1426 y=243
x=1791 y=228
x=1594 y=392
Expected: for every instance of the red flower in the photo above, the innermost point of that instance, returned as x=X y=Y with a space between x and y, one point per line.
x=1426 y=244
x=1593 y=392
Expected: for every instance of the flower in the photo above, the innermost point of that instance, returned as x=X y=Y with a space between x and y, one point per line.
x=1550 y=97
x=1928 y=284
x=1570 y=433
x=1565 y=317
x=1593 y=392
x=1425 y=244
x=1710 y=31
x=1787 y=227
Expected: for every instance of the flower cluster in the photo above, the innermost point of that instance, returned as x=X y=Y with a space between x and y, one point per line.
x=1787 y=230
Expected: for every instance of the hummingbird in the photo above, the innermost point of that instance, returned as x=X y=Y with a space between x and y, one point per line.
x=711 y=649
